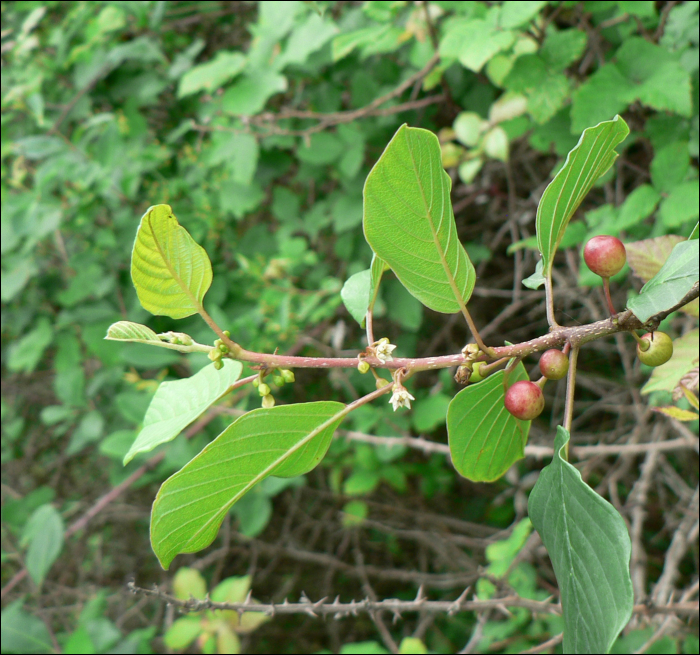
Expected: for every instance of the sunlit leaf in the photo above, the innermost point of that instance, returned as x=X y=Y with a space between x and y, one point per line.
x=408 y=221
x=170 y=271
x=176 y=404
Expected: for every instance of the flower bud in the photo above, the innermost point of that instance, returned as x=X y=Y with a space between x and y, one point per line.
x=268 y=401
x=381 y=383
x=263 y=389
x=287 y=375
x=278 y=380
x=218 y=364
x=362 y=366
x=215 y=354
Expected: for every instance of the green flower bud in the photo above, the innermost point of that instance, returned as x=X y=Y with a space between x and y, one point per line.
x=287 y=375
x=256 y=381
x=268 y=401
x=215 y=354
x=381 y=383
x=278 y=380
x=223 y=348
x=263 y=389
x=217 y=343
x=227 y=333
x=218 y=364
x=362 y=366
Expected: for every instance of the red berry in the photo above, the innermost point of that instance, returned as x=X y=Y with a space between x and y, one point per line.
x=554 y=364
x=524 y=400
x=605 y=255
x=659 y=351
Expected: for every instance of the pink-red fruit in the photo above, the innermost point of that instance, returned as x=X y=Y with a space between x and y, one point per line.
x=554 y=364
x=524 y=400
x=605 y=255
x=659 y=351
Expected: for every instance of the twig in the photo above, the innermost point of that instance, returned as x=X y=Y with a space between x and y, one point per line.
x=394 y=605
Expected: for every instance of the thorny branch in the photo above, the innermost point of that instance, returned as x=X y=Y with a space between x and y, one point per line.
x=340 y=610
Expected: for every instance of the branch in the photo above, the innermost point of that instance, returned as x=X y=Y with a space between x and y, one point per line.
x=421 y=604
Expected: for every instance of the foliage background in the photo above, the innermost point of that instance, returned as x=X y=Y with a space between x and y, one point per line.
x=258 y=123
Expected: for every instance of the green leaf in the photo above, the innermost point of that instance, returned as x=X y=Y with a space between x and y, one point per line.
x=355 y=295
x=536 y=280
x=408 y=221
x=250 y=93
x=170 y=271
x=176 y=404
x=183 y=632
x=285 y=441
x=681 y=205
x=474 y=42
x=26 y=353
x=377 y=268
x=485 y=439
x=128 y=331
x=307 y=37
x=22 y=632
x=44 y=530
x=589 y=546
x=515 y=13
x=604 y=93
x=561 y=49
x=676 y=277
x=590 y=159
x=211 y=75
x=685 y=358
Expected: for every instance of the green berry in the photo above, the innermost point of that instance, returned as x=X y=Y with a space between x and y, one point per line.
x=554 y=364
x=659 y=350
x=476 y=375
x=524 y=400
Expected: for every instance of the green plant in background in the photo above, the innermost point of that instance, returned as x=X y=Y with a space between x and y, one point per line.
x=214 y=632
x=409 y=224
x=259 y=125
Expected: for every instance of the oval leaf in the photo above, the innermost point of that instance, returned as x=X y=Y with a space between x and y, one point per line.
x=408 y=221
x=176 y=404
x=592 y=157
x=128 y=331
x=355 y=295
x=485 y=439
x=170 y=271
x=286 y=441
x=590 y=549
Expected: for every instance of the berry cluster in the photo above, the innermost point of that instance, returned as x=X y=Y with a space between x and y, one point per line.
x=605 y=256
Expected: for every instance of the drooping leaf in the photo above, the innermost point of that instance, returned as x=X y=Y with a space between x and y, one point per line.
x=485 y=439
x=170 y=271
x=408 y=221
x=128 y=331
x=285 y=441
x=592 y=157
x=675 y=279
x=176 y=404
x=587 y=541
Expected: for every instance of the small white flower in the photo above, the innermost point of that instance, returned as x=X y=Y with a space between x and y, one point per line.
x=401 y=398
x=383 y=350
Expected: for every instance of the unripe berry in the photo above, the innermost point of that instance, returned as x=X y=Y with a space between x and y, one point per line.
x=524 y=400
x=476 y=372
x=605 y=255
x=659 y=351
x=554 y=364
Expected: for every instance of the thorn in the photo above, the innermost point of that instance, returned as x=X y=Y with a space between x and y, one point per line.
x=419 y=596
x=248 y=597
x=505 y=611
x=318 y=603
x=337 y=600
x=304 y=598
